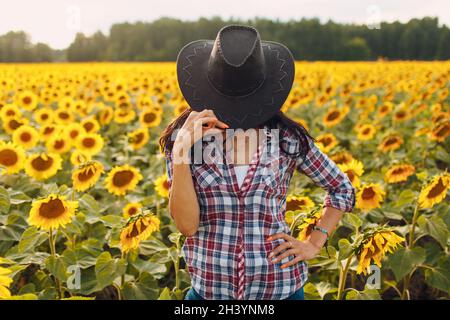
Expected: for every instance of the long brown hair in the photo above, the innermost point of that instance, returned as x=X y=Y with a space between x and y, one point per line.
x=166 y=141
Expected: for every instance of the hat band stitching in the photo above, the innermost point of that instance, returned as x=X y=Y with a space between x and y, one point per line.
x=281 y=68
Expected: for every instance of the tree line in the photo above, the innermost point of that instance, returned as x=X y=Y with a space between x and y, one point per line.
x=308 y=39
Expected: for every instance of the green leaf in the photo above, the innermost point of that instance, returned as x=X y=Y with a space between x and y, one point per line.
x=405 y=197
x=89 y=283
x=89 y=204
x=18 y=197
x=439 y=277
x=165 y=294
x=4 y=200
x=57 y=267
x=435 y=227
x=353 y=220
x=367 y=294
x=31 y=238
x=111 y=220
x=392 y=215
x=146 y=288
x=404 y=260
x=108 y=269
x=345 y=249
x=443 y=155
x=157 y=270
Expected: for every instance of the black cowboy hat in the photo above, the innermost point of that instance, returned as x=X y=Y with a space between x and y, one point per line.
x=243 y=79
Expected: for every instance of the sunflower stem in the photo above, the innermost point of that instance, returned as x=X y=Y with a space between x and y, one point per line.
x=177 y=266
x=413 y=226
x=343 y=277
x=122 y=277
x=405 y=291
x=53 y=253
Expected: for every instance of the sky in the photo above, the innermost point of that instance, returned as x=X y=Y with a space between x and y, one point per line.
x=56 y=22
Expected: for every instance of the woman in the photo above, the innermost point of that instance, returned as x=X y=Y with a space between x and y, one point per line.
x=231 y=203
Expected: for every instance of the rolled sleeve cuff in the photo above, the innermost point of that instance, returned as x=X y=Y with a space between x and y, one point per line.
x=343 y=200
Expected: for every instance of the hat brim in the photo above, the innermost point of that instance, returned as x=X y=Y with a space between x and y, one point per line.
x=244 y=112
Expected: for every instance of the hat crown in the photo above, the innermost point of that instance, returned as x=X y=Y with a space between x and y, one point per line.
x=236 y=66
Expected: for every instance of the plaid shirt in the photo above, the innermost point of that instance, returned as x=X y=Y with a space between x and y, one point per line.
x=227 y=258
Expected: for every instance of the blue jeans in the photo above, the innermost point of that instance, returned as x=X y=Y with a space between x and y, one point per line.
x=193 y=295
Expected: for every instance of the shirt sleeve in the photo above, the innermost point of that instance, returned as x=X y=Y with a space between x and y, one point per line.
x=325 y=173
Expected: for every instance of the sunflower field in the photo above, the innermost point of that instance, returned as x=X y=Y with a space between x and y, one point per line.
x=83 y=191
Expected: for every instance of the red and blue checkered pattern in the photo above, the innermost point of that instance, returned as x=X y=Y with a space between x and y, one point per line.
x=227 y=258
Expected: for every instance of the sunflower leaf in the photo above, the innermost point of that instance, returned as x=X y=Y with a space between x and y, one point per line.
x=57 y=267
x=405 y=197
x=345 y=249
x=404 y=260
x=146 y=288
x=435 y=227
x=108 y=269
x=439 y=277
x=31 y=238
x=4 y=200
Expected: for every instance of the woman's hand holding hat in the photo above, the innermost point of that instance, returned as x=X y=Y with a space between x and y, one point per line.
x=197 y=125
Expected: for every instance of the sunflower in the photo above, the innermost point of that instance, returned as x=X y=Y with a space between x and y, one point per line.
x=422 y=131
x=122 y=179
x=402 y=113
x=73 y=131
x=26 y=136
x=138 y=138
x=138 y=228
x=79 y=107
x=90 y=124
x=5 y=282
x=326 y=142
x=435 y=191
x=42 y=165
x=64 y=117
x=12 y=123
x=440 y=132
x=385 y=109
x=90 y=142
x=180 y=108
x=87 y=175
x=131 y=209
x=366 y=132
x=27 y=100
x=125 y=115
x=52 y=212
x=294 y=202
x=391 y=142
x=78 y=157
x=150 y=118
x=342 y=157
x=370 y=196
x=399 y=173
x=66 y=103
x=443 y=94
x=10 y=111
x=48 y=130
x=354 y=169
x=12 y=157
x=374 y=246
x=335 y=116
x=162 y=186
x=44 y=115
x=59 y=143
x=307 y=223
x=105 y=115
